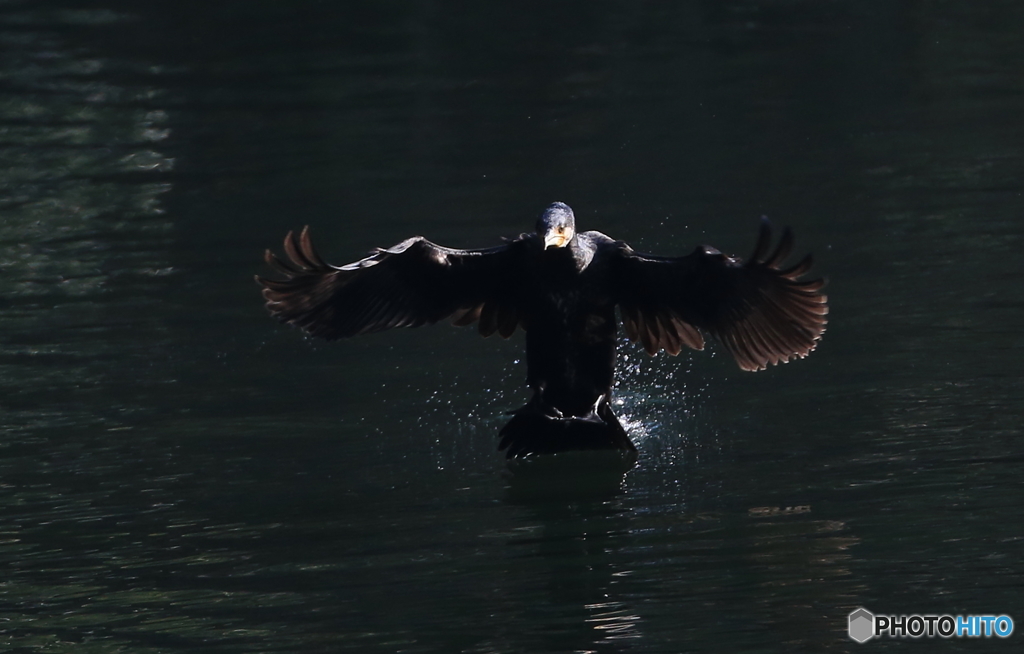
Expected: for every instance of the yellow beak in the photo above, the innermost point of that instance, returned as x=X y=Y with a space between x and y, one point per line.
x=556 y=239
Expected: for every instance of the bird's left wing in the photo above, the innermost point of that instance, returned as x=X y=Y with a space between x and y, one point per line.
x=763 y=313
x=413 y=283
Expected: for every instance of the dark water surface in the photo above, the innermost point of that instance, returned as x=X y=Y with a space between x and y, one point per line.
x=179 y=473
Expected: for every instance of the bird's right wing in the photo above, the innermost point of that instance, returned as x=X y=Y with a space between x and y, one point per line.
x=413 y=283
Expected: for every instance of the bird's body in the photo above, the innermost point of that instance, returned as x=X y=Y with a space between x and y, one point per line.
x=562 y=288
x=570 y=352
x=570 y=346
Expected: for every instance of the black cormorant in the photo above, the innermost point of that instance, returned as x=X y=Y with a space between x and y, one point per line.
x=562 y=287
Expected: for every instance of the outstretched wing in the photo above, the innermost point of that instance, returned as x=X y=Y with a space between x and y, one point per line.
x=762 y=313
x=413 y=283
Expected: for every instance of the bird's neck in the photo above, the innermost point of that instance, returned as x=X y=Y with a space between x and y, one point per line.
x=569 y=257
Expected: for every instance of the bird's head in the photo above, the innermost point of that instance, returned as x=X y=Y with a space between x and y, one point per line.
x=557 y=226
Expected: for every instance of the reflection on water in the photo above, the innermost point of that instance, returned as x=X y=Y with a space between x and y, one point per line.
x=178 y=473
x=83 y=233
x=614 y=569
x=576 y=524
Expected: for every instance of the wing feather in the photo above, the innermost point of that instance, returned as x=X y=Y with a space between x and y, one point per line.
x=410 y=284
x=762 y=312
x=672 y=342
x=468 y=316
x=488 y=319
x=507 y=320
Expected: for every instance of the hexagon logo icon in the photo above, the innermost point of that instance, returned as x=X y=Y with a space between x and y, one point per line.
x=862 y=625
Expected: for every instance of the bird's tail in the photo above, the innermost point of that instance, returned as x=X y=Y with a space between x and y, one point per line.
x=532 y=430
